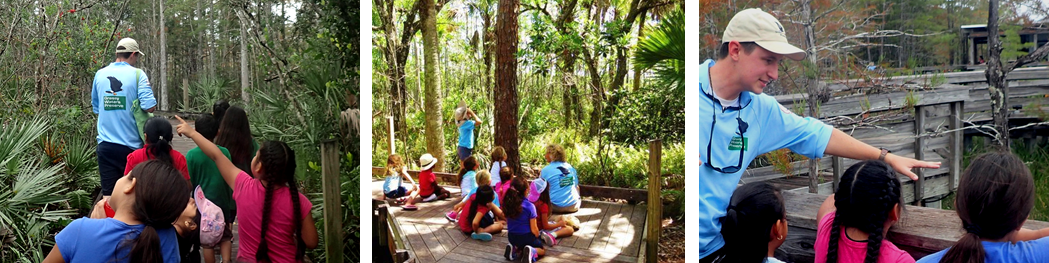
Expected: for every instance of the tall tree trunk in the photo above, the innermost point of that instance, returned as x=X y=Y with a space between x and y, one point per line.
x=395 y=67
x=996 y=78
x=434 y=133
x=486 y=47
x=640 y=35
x=245 y=74
x=566 y=69
x=813 y=86
x=163 y=60
x=506 y=82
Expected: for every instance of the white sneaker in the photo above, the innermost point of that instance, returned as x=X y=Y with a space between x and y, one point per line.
x=430 y=198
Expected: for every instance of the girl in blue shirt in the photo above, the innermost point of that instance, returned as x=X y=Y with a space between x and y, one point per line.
x=147 y=201
x=995 y=196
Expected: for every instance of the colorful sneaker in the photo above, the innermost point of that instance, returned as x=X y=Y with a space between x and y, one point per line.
x=451 y=215
x=481 y=236
x=511 y=253
x=430 y=198
x=548 y=238
x=533 y=255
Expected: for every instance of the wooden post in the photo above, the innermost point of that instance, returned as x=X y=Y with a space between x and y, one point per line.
x=839 y=168
x=185 y=94
x=955 y=145
x=919 y=153
x=332 y=200
x=655 y=209
x=389 y=121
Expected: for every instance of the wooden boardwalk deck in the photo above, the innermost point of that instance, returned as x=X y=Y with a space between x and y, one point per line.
x=183 y=145
x=609 y=232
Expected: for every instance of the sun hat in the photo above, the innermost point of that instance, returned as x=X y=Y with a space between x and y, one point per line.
x=427 y=161
x=460 y=111
x=760 y=27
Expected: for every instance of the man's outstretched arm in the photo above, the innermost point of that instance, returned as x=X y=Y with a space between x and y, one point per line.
x=843 y=145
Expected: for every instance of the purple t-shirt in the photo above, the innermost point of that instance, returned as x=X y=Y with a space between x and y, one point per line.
x=522 y=224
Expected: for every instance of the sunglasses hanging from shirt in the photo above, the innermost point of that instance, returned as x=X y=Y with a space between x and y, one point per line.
x=742 y=129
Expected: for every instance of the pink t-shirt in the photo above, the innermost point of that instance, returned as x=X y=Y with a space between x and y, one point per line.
x=250 y=195
x=852 y=251
x=501 y=187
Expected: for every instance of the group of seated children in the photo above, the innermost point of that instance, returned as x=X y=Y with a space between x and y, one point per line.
x=490 y=204
x=995 y=195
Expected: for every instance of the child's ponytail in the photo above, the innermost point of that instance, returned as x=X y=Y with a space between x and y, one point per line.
x=868 y=192
x=158 y=139
x=484 y=195
x=995 y=196
x=160 y=197
x=469 y=164
x=751 y=215
x=515 y=196
x=278 y=166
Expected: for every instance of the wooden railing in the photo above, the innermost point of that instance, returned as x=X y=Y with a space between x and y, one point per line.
x=920 y=231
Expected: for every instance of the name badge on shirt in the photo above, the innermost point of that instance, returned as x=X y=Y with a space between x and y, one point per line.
x=114 y=103
x=738 y=143
x=566 y=181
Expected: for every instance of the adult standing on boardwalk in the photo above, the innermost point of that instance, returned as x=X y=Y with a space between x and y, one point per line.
x=115 y=89
x=737 y=122
x=467 y=121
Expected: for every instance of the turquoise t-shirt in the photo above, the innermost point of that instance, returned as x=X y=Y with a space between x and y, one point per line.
x=766 y=126
x=466 y=134
x=98 y=240
x=1002 y=252
x=112 y=92
x=563 y=183
x=469 y=183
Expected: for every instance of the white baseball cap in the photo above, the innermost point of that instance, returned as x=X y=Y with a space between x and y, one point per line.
x=754 y=25
x=128 y=45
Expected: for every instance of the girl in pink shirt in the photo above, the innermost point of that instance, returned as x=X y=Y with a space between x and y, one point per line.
x=853 y=222
x=274 y=218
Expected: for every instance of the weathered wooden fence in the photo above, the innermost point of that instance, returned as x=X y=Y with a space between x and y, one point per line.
x=920 y=231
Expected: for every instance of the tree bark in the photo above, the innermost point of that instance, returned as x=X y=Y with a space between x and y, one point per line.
x=566 y=69
x=434 y=133
x=245 y=75
x=163 y=60
x=813 y=87
x=506 y=82
x=999 y=89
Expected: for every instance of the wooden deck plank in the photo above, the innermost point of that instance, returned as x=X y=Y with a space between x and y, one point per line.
x=605 y=235
x=586 y=210
x=442 y=237
x=588 y=229
x=422 y=253
x=431 y=241
x=622 y=228
x=637 y=220
x=605 y=230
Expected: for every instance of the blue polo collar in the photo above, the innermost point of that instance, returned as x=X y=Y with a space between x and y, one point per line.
x=704 y=84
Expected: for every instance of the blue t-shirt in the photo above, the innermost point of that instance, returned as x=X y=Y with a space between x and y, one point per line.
x=563 y=183
x=466 y=134
x=391 y=183
x=98 y=240
x=522 y=224
x=469 y=183
x=769 y=127
x=113 y=91
x=1023 y=251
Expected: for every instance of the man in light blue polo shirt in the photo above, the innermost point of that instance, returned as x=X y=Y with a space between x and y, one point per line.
x=113 y=91
x=563 y=181
x=737 y=122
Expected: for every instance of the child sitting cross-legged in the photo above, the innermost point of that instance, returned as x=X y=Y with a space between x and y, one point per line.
x=521 y=223
x=393 y=186
x=550 y=230
x=475 y=219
